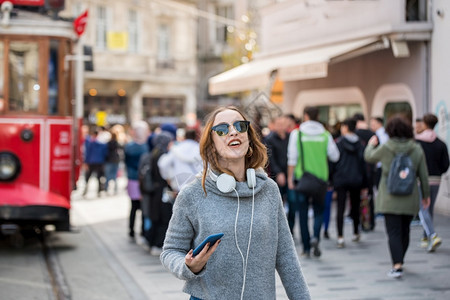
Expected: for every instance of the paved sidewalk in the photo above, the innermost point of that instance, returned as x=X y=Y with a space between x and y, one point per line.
x=357 y=271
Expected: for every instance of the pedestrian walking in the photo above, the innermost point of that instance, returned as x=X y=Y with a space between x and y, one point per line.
x=177 y=168
x=133 y=152
x=162 y=197
x=234 y=197
x=112 y=161
x=399 y=210
x=277 y=143
x=437 y=159
x=420 y=126
x=95 y=155
x=377 y=126
x=349 y=177
x=313 y=145
x=367 y=199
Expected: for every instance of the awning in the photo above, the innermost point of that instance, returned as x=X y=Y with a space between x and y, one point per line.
x=308 y=64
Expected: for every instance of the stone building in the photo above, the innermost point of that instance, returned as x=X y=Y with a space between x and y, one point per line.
x=144 y=58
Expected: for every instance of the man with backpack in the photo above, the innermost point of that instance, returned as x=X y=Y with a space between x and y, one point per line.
x=401 y=159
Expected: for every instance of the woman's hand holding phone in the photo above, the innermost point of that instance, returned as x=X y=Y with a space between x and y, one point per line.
x=198 y=262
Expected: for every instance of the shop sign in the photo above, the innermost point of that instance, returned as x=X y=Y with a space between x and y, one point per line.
x=117 y=40
x=102 y=118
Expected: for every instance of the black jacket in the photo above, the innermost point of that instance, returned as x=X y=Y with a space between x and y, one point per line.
x=349 y=170
x=277 y=152
x=436 y=155
x=113 y=155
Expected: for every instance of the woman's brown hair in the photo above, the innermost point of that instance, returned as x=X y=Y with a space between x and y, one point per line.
x=398 y=126
x=256 y=156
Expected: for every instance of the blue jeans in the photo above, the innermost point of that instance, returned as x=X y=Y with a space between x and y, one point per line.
x=426 y=215
x=327 y=209
x=111 y=174
x=194 y=298
x=294 y=207
x=318 y=208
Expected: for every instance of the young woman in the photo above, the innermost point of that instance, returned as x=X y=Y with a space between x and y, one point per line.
x=246 y=207
x=398 y=210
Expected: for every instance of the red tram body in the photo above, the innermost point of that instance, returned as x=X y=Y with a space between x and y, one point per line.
x=37 y=132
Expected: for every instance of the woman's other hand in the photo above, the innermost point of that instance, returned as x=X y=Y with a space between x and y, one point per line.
x=425 y=202
x=198 y=262
x=373 y=141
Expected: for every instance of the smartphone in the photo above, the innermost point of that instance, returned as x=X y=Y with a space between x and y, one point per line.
x=212 y=239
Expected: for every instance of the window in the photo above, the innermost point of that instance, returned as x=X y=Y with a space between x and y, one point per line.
x=221 y=29
x=53 y=78
x=77 y=9
x=163 y=54
x=24 y=85
x=133 y=32
x=114 y=109
x=393 y=108
x=101 y=27
x=157 y=110
x=332 y=115
x=33 y=77
x=416 y=10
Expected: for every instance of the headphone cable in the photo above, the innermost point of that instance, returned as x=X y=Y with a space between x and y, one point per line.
x=244 y=261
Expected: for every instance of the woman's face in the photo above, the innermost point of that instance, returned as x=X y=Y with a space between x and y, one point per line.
x=234 y=145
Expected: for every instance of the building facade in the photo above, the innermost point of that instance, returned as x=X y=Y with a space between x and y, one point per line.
x=377 y=57
x=144 y=58
x=228 y=31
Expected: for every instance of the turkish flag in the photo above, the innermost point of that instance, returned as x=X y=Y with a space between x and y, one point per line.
x=80 y=23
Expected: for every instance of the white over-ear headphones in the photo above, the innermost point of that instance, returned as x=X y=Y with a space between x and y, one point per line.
x=226 y=183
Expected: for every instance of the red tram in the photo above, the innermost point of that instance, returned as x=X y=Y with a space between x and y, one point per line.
x=37 y=127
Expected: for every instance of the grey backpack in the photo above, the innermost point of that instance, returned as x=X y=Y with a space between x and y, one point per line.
x=402 y=175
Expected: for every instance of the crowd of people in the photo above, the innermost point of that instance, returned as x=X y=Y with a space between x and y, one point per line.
x=157 y=164
x=188 y=189
x=355 y=162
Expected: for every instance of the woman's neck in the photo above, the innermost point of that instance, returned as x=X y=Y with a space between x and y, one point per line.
x=236 y=167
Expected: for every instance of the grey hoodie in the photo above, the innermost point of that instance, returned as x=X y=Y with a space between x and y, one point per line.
x=196 y=215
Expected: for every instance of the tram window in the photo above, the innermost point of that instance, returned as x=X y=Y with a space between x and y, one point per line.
x=24 y=84
x=53 y=79
x=393 y=108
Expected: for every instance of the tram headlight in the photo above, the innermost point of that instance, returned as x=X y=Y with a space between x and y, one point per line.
x=9 y=166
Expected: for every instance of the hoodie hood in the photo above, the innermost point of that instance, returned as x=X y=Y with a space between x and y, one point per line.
x=187 y=151
x=400 y=145
x=427 y=136
x=241 y=187
x=312 y=128
x=162 y=140
x=350 y=142
x=169 y=127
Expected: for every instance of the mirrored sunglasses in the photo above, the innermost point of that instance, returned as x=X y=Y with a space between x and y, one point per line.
x=240 y=126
